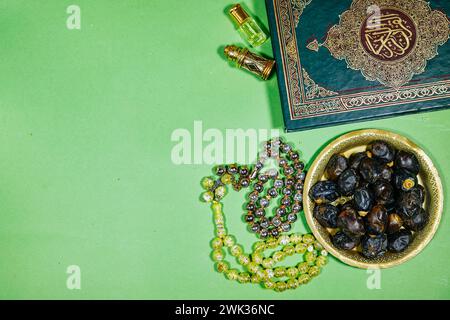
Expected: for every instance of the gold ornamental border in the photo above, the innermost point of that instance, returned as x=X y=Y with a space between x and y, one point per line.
x=299 y=106
x=429 y=177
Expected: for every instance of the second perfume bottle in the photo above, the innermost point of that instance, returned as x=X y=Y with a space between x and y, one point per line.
x=247 y=26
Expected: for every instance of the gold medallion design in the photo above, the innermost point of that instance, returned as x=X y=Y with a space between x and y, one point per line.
x=307 y=99
x=388 y=40
x=388 y=35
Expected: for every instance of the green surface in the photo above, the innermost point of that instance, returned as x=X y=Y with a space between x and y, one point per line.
x=86 y=174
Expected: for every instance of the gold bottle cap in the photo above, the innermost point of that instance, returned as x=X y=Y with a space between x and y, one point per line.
x=234 y=53
x=238 y=14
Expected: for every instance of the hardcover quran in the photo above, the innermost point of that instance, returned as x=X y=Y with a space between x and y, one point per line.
x=347 y=60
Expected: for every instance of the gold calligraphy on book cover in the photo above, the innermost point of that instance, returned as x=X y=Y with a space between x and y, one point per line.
x=388 y=40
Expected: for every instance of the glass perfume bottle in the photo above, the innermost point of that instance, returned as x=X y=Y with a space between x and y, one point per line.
x=247 y=26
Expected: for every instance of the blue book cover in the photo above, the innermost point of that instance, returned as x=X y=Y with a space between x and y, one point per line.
x=348 y=60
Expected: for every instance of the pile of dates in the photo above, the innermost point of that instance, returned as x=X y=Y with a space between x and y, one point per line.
x=371 y=201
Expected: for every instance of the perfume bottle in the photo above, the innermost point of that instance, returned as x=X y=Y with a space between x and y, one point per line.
x=249 y=61
x=247 y=26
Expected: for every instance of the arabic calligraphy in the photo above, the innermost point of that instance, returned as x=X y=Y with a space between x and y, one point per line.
x=388 y=35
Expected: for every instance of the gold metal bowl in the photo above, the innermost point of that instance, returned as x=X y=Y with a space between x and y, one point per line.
x=357 y=141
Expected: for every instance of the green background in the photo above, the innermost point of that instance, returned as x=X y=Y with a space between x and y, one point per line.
x=86 y=176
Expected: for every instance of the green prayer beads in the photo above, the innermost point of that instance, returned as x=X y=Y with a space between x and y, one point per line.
x=259 y=267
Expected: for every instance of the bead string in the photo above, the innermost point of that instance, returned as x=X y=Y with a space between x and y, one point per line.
x=266 y=185
x=257 y=267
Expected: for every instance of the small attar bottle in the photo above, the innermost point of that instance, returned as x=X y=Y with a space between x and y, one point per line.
x=249 y=61
x=247 y=26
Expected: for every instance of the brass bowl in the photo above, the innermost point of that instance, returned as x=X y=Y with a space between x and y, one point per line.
x=357 y=141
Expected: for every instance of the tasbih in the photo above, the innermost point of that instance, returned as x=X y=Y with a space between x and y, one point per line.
x=289 y=187
x=266 y=186
x=258 y=267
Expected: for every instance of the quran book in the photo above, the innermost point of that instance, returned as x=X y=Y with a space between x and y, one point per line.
x=348 y=60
